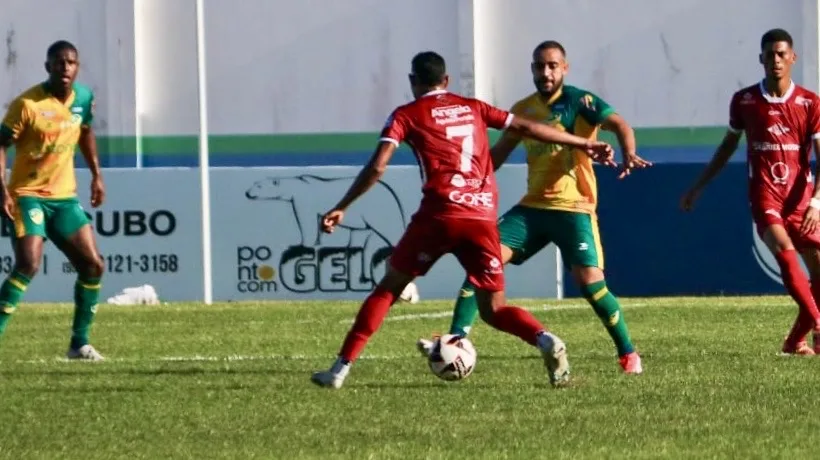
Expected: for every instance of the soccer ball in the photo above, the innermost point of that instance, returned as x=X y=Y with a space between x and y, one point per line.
x=410 y=293
x=452 y=357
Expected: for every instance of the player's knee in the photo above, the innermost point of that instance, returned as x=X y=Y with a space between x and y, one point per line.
x=93 y=267
x=28 y=266
x=488 y=303
x=585 y=275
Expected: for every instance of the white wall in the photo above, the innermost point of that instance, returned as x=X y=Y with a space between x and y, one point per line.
x=102 y=30
x=661 y=63
x=325 y=65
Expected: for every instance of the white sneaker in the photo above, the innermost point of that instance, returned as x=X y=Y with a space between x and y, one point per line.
x=425 y=347
x=333 y=378
x=554 y=352
x=84 y=353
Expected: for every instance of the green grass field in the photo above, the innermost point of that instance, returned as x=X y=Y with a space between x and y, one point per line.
x=232 y=381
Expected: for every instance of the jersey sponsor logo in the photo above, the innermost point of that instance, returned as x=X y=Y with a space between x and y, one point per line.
x=774 y=113
x=478 y=199
x=495 y=266
x=352 y=259
x=452 y=114
x=458 y=181
x=780 y=173
x=800 y=100
x=778 y=129
x=773 y=147
x=76 y=110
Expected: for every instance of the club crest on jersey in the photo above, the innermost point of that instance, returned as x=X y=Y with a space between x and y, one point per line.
x=36 y=216
x=800 y=100
x=588 y=101
x=747 y=99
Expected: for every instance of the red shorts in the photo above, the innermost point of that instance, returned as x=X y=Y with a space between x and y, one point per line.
x=766 y=215
x=475 y=243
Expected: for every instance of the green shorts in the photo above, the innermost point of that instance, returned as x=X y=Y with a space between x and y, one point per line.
x=528 y=230
x=54 y=219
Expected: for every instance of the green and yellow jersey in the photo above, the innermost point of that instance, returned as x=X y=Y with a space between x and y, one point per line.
x=560 y=177
x=45 y=133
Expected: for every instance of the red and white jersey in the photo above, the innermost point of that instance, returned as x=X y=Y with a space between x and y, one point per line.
x=779 y=136
x=448 y=135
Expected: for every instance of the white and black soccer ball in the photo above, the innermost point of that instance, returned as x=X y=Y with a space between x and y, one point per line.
x=452 y=357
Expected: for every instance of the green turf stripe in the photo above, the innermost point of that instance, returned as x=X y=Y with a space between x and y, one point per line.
x=357 y=142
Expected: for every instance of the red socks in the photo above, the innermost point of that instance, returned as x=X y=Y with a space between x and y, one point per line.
x=518 y=322
x=368 y=320
x=797 y=284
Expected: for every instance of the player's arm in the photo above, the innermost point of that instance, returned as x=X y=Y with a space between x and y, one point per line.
x=369 y=175
x=599 y=151
x=88 y=147
x=811 y=220
x=503 y=147
x=13 y=124
x=724 y=152
x=616 y=124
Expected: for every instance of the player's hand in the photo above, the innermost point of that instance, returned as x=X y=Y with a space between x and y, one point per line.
x=687 y=203
x=97 y=192
x=331 y=219
x=632 y=161
x=601 y=152
x=8 y=206
x=811 y=221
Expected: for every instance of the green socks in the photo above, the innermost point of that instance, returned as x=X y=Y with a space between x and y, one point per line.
x=86 y=296
x=607 y=308
x=465 y=312
x=11 y=292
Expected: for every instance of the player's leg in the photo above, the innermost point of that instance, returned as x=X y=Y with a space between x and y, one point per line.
x=811 y=256
x=578 y=238
x=27 y=242
x=518 y=243
x=405 y=265
x=777 y=239
x=71 y=231
x=479 y=254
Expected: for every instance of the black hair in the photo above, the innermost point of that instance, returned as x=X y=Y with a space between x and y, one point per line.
x=549 y=45
x=776 y=35
x=58 y=46
x=428 y=68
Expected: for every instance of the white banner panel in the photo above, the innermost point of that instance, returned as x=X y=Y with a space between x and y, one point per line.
x=268 y=244
x=148 y=231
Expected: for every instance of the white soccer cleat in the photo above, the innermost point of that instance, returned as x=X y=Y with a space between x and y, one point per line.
x=333 y=378
x=84 y=353
x=410 y=293
x=425 y=347
x=327 y=379
x=554 y=352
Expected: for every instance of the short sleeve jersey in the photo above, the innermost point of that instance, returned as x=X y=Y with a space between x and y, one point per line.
x=779 y=136
x=561 y=177
x=45 y=133
x=448 y=135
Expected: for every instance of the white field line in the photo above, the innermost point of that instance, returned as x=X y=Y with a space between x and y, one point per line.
x=448 y=313
x=208 y=359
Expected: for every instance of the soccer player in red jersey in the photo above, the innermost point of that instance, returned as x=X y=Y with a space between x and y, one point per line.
x=458 y=211
x=781 y=121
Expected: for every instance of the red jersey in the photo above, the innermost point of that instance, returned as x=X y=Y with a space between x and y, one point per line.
x=448 y=135
x=779 y=134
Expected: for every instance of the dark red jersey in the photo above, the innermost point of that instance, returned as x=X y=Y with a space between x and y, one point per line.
x=448 y=135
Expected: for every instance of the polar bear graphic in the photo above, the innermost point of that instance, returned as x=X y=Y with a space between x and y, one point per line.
x=375 y=221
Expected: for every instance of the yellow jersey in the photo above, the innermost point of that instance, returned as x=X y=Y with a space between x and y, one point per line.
x=560 y=177
x=45 y=133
